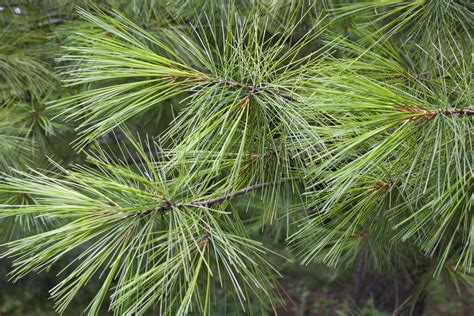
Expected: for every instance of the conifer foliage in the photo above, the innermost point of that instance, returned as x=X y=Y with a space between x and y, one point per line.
x=149 y=143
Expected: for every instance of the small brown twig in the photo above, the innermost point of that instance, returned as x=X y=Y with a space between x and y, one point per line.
x=168 y=206
x=431 y=113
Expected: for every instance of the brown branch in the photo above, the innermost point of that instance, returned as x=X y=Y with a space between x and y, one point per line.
x=426 y=115
x=464 y=111
x=431 y=113
x=168 y=206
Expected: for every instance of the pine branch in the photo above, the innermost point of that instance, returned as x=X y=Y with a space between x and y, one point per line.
x=465 y=111
x=377 y=119
x=168 y=206
x=450 y=111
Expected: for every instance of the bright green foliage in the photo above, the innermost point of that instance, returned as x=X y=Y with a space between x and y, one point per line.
x=345 y=128
x=157 y=255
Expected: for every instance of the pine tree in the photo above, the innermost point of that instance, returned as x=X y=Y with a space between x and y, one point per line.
x=182 y=130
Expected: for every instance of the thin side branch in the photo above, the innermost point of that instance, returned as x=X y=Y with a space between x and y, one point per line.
x=451 y=111
x=464 y=111
x=168 y=206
